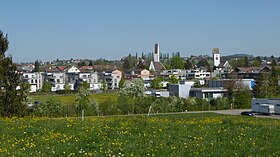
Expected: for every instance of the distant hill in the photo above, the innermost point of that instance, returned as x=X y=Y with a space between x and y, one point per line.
x=239 y=56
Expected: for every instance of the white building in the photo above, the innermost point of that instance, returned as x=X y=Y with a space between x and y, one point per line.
x=91 y=78
x=112 y=78
x=35 y=80
x=196 y=74
x=58 y=81
x=187 y=74
x=207 y=93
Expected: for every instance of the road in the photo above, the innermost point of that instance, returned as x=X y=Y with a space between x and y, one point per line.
x=238 y=112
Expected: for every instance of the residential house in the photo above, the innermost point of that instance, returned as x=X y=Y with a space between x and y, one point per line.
x=56 y=78
x=139 y=73
x=248 y=72
x=91 y=78
x=34 y=79
x=195 y=74
x=112 y=78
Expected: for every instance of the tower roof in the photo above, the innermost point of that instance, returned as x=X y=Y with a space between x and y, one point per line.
x=216 y=51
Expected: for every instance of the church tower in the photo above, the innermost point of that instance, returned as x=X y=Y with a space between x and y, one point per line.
x=216 y=56
x=155 y=64
x=156 y=53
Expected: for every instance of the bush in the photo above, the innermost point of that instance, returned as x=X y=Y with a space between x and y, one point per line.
x=108 y=108
x=51 y=108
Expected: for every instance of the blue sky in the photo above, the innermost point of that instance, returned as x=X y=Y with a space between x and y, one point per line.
x=111 y=29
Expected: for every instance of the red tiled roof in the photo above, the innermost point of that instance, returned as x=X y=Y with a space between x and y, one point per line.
x=86 y=67
x=51 y=70
x=61 y=68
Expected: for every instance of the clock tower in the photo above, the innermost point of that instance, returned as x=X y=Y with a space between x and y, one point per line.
x=216 y=56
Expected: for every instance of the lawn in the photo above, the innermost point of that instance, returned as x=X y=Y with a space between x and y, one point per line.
x=206 y=134
x=70 y=99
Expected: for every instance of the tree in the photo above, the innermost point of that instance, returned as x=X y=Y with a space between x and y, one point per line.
x=156 y=83
x=246 y=61
x=173 y=80
x=83 y=97
x=90 y=63
x=177 y=62
x=266 y=85
x=37 y=66
x=130 y=94
x=273 y=63
x=122 y=83
x=256 y=62
x=12 y=89
x=135 y=89
x=67 y=88
x=202 y=62
x=104 y=86
x=238 y=62
x=188 y=64
x=230 y=86
x=52 y=108
x=242 y=98
x=83 y=63
x=47 y=86
x=129 y=62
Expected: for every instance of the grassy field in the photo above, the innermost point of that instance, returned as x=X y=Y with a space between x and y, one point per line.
x=204 y=134
x=70 y=99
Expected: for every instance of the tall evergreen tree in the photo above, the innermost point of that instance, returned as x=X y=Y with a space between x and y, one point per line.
x=246 y=60
x=37 y=66
x=13 y=92
x=90 y=63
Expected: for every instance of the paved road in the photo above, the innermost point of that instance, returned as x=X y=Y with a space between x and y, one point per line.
x=231 y=112
x=238 y=112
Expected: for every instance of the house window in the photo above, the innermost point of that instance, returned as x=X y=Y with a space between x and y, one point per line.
x=89 y=80
x=32 y=81
x=36 y=81
x=58 y=80
x=26 y=76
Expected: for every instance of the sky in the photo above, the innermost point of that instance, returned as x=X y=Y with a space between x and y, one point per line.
x=111 y=29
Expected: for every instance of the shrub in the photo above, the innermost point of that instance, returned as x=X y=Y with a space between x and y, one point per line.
x=51 y=108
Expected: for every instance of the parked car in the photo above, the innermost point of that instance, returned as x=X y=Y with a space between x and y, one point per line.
x=247 y=113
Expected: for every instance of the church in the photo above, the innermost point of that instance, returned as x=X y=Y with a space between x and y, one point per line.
x=155 y=64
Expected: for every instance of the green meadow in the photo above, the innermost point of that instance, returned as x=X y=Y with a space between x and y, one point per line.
x=202 y=134
x=70 y=99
